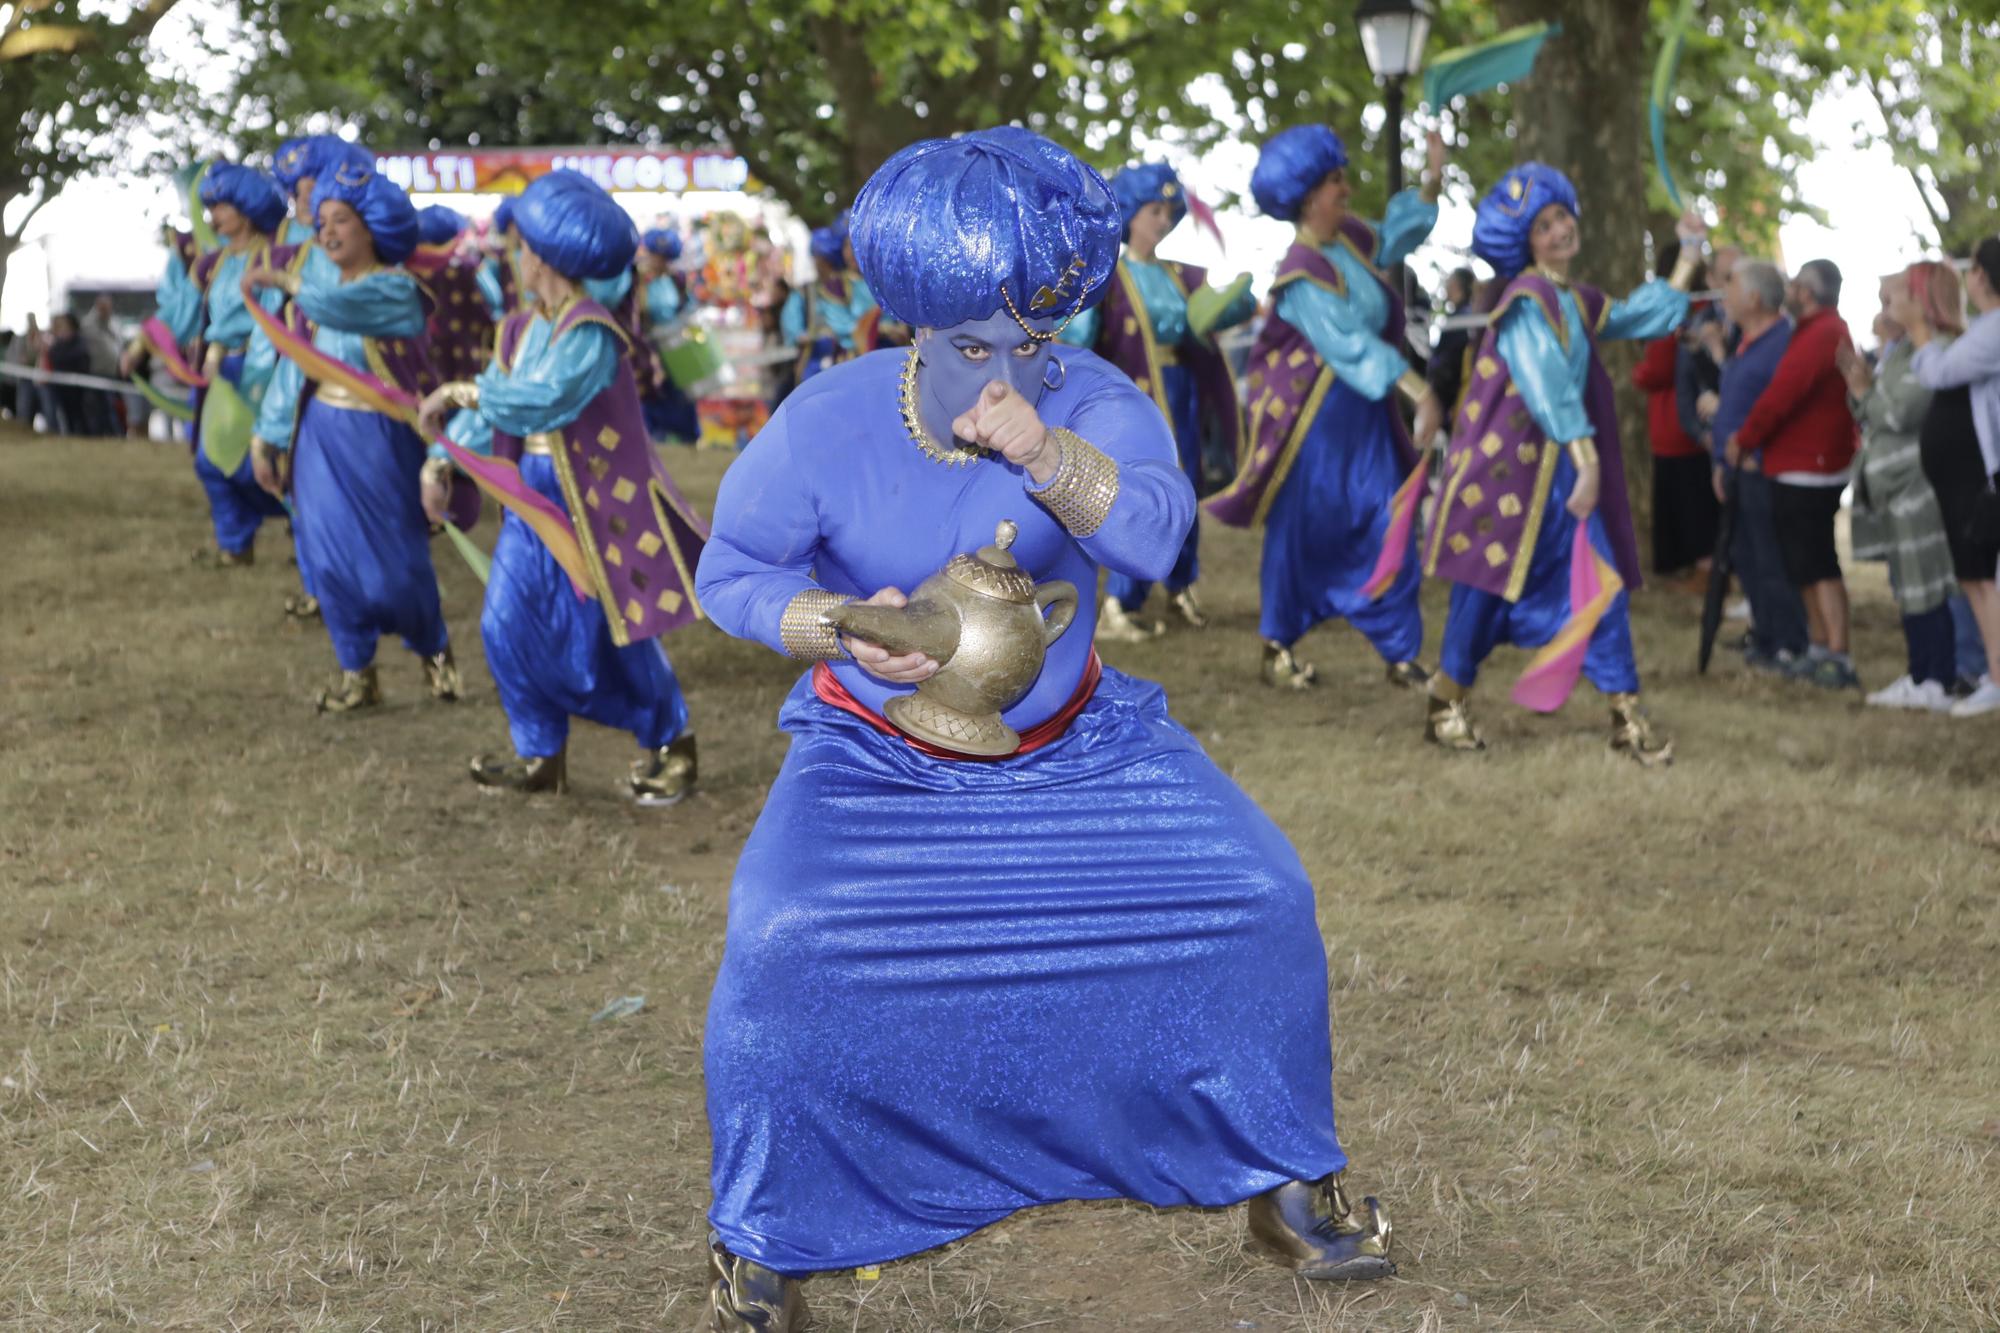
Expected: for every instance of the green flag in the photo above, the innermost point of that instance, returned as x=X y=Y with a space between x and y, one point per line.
x=1474 y=69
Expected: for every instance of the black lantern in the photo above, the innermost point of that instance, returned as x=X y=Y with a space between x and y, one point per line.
x=1393 y=33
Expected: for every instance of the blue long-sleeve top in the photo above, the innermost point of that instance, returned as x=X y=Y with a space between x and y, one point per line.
x=177 y=302
x=487 y=276
x=1165 y=307
x=839 y=318
x=549 y=384
x=382 y=304
x=833 y=493
x=1551 y=370
x=663 y=300
x=296 y=232
x=608 y=292
x=1346 y=328
x=219 y=317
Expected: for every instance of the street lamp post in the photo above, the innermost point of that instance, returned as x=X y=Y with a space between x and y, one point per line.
x=1393 y=33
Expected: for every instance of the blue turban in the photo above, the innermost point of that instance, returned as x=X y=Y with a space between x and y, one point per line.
x=827 y=243
x=385 y=209
x=438 y=225
x=945 y=224
x=316 y=155
x=503 y=216
x=1135 y=187
x=1290 y=164
x=251 y=193
x=575 y=227
x=1507 y=214
x=663 y=242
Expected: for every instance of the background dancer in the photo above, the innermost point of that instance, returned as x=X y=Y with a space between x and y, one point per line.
x=1147 y=329
x=1534 y=461
x=562 y=388
x=1327 y=468
x=352 y=470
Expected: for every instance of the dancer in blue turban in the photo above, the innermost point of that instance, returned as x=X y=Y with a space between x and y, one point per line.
x=353 y=471
x=201 y=305
x=1533 y=528
x=1149 y=328
x=438 y=225
x=952 y=989
x=563 y=378
x=833 y=318
x=1328 y=470
x=298 y=165
x=664 y=316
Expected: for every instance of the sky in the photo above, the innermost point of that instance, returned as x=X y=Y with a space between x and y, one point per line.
x=103 y=229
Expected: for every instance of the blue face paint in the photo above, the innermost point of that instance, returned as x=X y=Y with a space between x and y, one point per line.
x=956 y=364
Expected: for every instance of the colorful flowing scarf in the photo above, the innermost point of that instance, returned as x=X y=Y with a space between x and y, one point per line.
x=497 y=477
x=1546 y=685
x=165 y=346
x=1403 y=507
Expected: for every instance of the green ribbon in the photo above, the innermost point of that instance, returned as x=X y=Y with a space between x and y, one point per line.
x=480 y=563
x=178 y=410
x=1672 y=43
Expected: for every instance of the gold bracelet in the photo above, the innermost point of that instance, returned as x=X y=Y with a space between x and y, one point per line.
x=1079 y=496
x=462 y=393
x=1412 y=386
x=804 y=631
x=1583 y=453
x=1683 y=275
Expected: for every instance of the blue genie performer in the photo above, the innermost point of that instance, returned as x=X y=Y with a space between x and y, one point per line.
x=1328 y=470
x=353 y=472
x=832 y=318
x=662 y=311
x=460 y=332
x=1147 y=328
x=498 y=282
x=952 y=989
x=201 y=310
x=1532 y=526
x=560 y=403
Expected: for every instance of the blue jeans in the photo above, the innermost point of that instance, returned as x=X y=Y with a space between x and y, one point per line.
x=1968 y=648
x=1777 y=616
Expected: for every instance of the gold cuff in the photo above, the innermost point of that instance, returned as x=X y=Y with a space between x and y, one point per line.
x=438 y=470
x=1079 y=496
x=462 y=393
x=1583 y=453
x=1412 y=386
x=284 y=280
x=804 y=631
x=1690 y=259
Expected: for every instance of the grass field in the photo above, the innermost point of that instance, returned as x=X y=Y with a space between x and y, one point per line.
x=294 y=1023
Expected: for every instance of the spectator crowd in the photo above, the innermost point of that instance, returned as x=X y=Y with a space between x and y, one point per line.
x=1762 y=413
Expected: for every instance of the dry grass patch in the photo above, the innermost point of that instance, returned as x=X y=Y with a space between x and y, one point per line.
x=294 y=1024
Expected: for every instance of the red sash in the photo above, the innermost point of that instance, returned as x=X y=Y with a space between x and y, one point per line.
x=828 y=687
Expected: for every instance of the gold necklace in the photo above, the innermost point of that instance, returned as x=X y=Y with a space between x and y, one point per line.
x=913 y=422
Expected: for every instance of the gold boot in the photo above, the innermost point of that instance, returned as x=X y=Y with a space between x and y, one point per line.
x=354 y=690
x=665 y=776
x=1411 y=675
x=302 y=607
x=747 y=1297
x=1116 y=625
x=1450 y=722
x=1632 y=734
x=1190 y=610
x=526 y=776
x=1283 y=670
x=216 y=558
x=441 y=674
x=1311 y=1227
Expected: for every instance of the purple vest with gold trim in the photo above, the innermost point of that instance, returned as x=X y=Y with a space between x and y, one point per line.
x=1500 y=466
x=1287 y=383
x=1125 y=339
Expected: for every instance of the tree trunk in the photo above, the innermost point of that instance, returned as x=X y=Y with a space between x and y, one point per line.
x=1584 y=113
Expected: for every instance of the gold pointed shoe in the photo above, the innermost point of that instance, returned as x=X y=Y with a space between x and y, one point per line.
x=1411 y=675
x=302 y=606
x=1281 y=670
x=1189 y=609
x=1116 y=625
x=1632 y=734
x=667 y=775
x=208 y=557
x=353 y=691
x=526 y=776
x=1310 y=1226
x=1450 y=724
x=747 y=1297
x=441 y=674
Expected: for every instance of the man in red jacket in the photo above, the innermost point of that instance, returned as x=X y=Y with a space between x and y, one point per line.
x=1802 y=435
